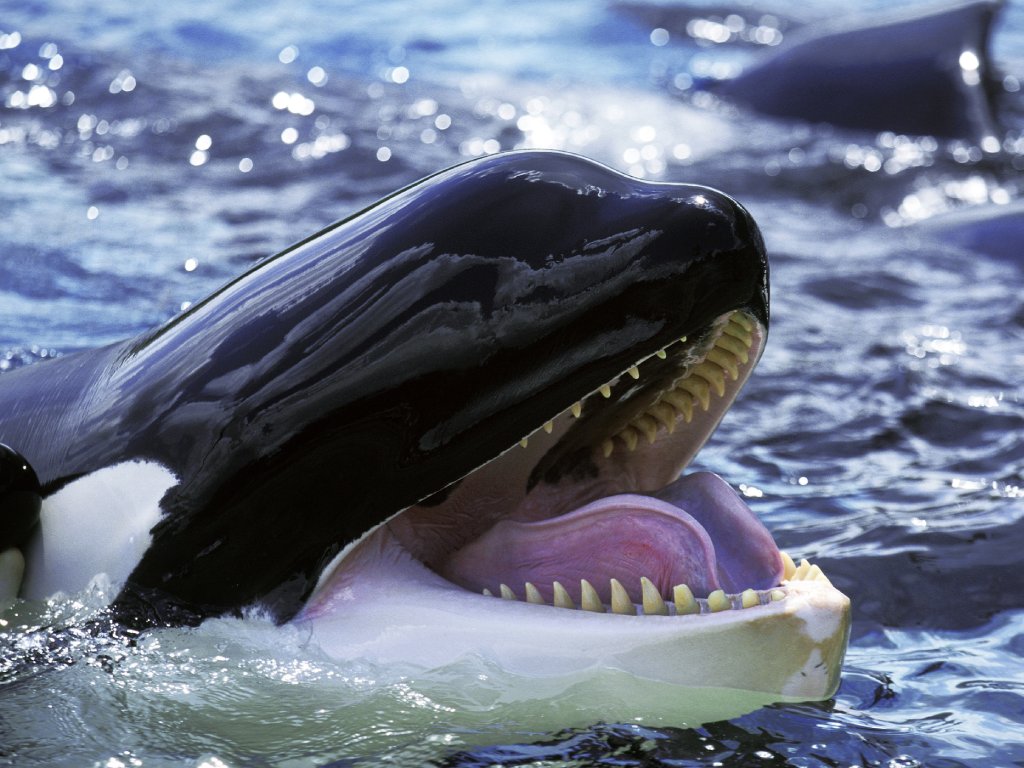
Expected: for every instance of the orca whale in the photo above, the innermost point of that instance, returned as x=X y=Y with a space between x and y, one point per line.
x=484 y=386
x=923 y=72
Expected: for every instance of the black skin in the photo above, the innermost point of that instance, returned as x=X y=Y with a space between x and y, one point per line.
x=20 y=499
x=374 y=364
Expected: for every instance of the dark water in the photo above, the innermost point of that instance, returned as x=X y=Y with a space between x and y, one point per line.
x=149 y=151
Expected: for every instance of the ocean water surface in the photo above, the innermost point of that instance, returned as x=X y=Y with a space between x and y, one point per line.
x=150 y=151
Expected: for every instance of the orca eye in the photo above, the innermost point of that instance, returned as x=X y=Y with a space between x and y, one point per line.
x=20 y=499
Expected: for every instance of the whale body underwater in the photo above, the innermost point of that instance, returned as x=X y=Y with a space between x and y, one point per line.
x=484 y=386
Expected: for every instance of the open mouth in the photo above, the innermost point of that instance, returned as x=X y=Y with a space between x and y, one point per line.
x=589 y=511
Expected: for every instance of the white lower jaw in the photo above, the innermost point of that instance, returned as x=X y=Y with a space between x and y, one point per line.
x=397 y=613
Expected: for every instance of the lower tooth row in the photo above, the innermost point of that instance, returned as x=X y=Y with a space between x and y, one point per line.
x=803 y=572
x=683 y=602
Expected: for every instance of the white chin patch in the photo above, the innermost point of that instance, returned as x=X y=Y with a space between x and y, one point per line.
x=100 y=523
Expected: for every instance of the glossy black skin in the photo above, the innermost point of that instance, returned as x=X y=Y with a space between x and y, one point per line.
x=20 y=499
x=900 y=73
x=379 y=361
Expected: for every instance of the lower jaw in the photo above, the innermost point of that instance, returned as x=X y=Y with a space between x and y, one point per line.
x=388 y=609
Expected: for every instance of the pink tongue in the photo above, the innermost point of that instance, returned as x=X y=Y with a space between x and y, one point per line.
x=625 y=537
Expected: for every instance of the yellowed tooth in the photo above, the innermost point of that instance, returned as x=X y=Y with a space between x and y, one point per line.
x=713 y=375
x=562 y=598
x=507 y=593
x=524 y=442
x=777 y=594
x=630 y=437
x=718 y=601
x=620 y=600
x=549 y=426
x=682 y=596
x=607 y=446
x=736 y=332
x=726 y=360
x=589 y=601
x=682 y=339
x=533 y=594
x=788 y=566
x=665 y=414
x=698 y=389
x=653 y=602
x=648 y=426
x=577 y=408
x=816 y=574
x=634 y=372
x=488 y=593
x=662 y=354
x=749 y=598
x=801 y=570
x=735 y=346
x=742 y=320
x=605 y=390
x=681 y=401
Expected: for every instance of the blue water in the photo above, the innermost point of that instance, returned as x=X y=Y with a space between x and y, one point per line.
x=149 y=151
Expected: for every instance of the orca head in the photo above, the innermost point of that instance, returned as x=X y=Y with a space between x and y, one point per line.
x=484 y=385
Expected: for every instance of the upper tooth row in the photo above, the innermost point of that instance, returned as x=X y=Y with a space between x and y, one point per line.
x=683 y=602
x=731 y=348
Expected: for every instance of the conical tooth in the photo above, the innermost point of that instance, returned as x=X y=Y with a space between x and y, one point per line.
x=737 y=332
x=607 y=446
x=713 y=375
x=524 y=442
x=742 y=320
x=681 y=401
x=562 y=598
x=488 y=593
x=726 y=360
x=682 y=339
x=589 y=601
x=507 y=593
x=620 y=600
x=630 y=437
x=777 y=594
x=788 y=566
x=666 y=414
x=662 y=354
x=605 y=390
x=682 y=596
x=801 y=570
x=549 y=426
x=648 y=426
x=634 y=372
x=719 y=601
x=653 y=603
x=750 y=598
x=816 y=574
x=577 y=407
x=533 y=595
x=698 y=388
x=733 y=345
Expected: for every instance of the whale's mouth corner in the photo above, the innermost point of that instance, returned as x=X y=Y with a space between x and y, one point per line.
x=590 y=511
